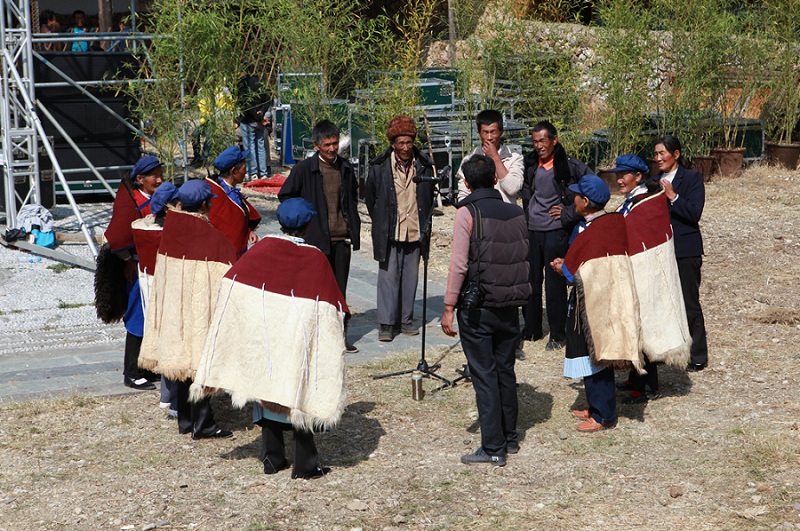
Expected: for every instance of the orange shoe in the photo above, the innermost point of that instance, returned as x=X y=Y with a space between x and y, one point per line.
x=581 y=413
x=592 y=425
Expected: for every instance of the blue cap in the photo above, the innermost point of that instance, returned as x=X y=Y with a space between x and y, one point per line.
x=592 y=187
x=145 y=165
x=165 y=193
x=229 y=158
x=626 y=163
x=194 y=191
x=295 y=213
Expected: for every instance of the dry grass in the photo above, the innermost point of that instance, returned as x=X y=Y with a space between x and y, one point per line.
x=720 y=449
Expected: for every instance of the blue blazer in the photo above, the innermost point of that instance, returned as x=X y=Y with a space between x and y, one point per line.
x=685 y=213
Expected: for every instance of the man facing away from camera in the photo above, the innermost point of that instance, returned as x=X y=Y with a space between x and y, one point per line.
x=496 y=259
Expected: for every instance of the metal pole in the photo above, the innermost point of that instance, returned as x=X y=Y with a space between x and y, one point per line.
x=75 y=147
x=51 y=153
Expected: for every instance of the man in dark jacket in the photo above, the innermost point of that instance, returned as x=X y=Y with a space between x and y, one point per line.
x=400 y=209
x=328 y=182
x=496 y=258
x=551 y=216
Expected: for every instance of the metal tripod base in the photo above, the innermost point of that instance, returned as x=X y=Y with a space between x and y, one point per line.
x=422 y=367
x=465 y=375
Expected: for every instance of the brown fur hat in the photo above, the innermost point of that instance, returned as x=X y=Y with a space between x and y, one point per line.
x=401 y=126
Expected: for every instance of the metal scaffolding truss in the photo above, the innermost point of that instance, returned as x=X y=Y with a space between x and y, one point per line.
x=20 y=158
x=23 y=135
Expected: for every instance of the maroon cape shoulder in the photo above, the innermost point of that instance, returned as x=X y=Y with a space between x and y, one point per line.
x=147 y=243
x=648 y=224
x=125 y=211
x=605 y=236
x=302 y=271
x=193 y=238
x=230 y=218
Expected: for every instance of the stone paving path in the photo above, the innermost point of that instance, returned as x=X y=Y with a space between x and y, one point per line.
x=95 y=369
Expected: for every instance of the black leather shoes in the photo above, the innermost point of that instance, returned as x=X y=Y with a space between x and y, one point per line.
x=219 y=434
x=696 y=367
x=318 y=473
x=142 y=384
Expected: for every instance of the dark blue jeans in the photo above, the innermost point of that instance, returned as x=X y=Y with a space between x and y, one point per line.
x=602 y=396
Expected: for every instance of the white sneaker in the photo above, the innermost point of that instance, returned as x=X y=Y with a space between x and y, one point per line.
x=163 y=405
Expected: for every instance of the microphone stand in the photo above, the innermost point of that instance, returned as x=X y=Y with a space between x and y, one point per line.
x=422 y=365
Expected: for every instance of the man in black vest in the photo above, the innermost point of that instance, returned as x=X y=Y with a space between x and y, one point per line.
x=496 y=257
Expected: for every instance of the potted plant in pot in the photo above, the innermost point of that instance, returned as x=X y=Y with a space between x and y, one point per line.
x=691 y=53
x=781 y=32
x=739 y=82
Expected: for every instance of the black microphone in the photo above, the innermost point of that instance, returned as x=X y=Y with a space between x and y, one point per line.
x=427 y=179
x=442 y=175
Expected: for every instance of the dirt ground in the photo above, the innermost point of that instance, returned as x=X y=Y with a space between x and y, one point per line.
x=719 y=450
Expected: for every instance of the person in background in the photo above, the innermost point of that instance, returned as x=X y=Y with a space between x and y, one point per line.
x=232 y=213
x=254 y=105
x=79 y=26
x=686 y=194
x=328 y=182
x=510 y=166
x=548 y=204
x=630 y=171
x=400 y=209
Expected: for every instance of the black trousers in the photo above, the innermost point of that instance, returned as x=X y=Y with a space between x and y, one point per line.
x=196 y=418
x=489 y=337
x=543 y=248
x=339 y=258
x=130 y=364
x=601 y=396
x=689 y=272
x=640 y=381
x=273 y=449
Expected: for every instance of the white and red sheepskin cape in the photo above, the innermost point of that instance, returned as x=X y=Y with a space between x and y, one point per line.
x=192 y=258
x=277 y=336
x=665 y=330
x=607 y=304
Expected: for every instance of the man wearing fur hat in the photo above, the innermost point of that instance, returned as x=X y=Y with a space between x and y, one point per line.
x=400 y=210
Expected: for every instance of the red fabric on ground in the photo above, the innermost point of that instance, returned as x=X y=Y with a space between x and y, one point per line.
x=267 y=186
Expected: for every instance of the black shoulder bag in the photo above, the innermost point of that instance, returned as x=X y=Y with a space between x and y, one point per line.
x=472 y=294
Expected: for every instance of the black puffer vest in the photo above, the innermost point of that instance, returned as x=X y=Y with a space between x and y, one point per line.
x=502 y=255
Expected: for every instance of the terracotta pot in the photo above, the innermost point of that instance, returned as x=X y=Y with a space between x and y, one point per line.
x=705 y=165
x=729 y=161
x=609 y=177
x=653 y=165
x=786 y=155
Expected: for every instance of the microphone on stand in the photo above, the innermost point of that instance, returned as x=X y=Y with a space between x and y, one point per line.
x=443 y=174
